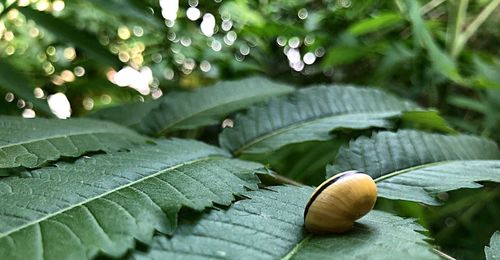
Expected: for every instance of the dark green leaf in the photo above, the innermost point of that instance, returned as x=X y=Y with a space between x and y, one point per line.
x=13 y=80
x=269 y=225
x=32 y=142
x=65 y=31
x=103 y=203
x=310 y=114
x=411 y=165
x=128 y=114
x=206 y=106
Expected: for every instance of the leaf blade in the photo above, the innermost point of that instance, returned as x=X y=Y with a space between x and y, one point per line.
x=103 y=203
x=492 y=251
x=269 y=225
x=12 y=80
x=33 y=142
x=310 y=114
x=410 y=165
x=206 y=106
x=67 y=32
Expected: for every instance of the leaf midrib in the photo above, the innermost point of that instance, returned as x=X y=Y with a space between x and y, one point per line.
x=305 y=122
x=168 y=127
x=406 y=170
x=63 y=135
x=206 y=158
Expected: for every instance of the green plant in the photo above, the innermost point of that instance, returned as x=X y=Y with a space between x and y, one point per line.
x=130 y=196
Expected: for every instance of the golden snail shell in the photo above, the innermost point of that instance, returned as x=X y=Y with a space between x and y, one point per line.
x=339 y=201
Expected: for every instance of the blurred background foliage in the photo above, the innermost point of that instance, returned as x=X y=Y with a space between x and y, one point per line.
x=71 y=58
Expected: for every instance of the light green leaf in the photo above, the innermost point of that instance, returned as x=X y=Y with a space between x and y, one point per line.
x=102 y=203
x=13 y=80
x=206 y=106
x=374 y=24
x=428 y=119
x=65 y=31
x=310 y=114
x=129 y=115
x=32 y=142
x=411 y=165
x=493 y=251
x=269 y=225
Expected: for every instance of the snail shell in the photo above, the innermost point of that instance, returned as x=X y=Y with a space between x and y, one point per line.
x=339 y=201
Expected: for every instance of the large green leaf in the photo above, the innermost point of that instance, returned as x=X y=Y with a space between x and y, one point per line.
x=103 y=203
x=269 y=225
x=65 y=31
x=13 y=80
x=493 y=251
x=310 y=114
x=206 y=106
x=411 y=165
x=129 y=115
x=32 y=142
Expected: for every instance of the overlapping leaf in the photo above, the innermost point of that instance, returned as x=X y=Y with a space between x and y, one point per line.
x=65 y=31
x=492 y=252
x=269 y=225
x=310 y=114
x=129 y=115
x=103 y=203
x=415 y=165
x=32 y=142
x=13 y=80
x=206 y=106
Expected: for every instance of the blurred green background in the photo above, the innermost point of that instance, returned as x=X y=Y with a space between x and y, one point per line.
x=72 y=58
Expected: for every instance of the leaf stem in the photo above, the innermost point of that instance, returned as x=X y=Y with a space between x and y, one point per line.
x=430 y=6
x=443 y=255
x=285 y=180
x=476 y=23
x=458 y=13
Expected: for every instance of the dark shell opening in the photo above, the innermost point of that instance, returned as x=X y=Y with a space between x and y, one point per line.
x=323 y=187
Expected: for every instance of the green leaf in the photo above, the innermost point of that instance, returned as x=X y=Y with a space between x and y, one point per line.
x=411 y=165
x=441 y=61
x=269 y=225
x=310 y=114
x=428 y=119
x=103 y=203
x=128 y=10
x=343 y=55
x=486 y=74
x=129 y=115
x=493 y=251
x=374 y=24
x=32 y=142
x=13 y=80
x=66 y=32
x=468 y=103
x=206 y=106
